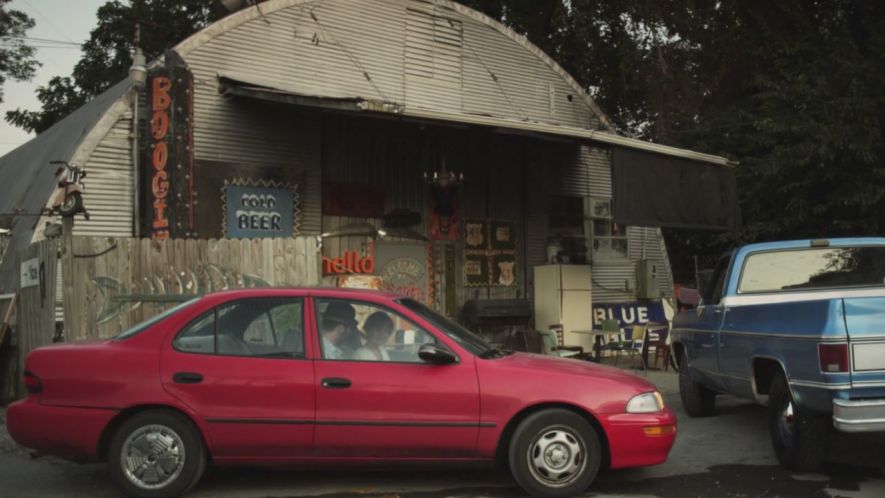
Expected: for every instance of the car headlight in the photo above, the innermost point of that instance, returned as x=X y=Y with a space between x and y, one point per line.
x=646 y=403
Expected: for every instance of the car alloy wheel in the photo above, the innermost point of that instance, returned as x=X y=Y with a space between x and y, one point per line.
x=156 y=453
x=557 y=456
x=153 y=456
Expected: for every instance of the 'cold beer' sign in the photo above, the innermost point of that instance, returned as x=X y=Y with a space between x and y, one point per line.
x=259 y=212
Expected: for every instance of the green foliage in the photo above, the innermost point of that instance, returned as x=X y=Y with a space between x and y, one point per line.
x=16 y=57
x=790 y=89
x=107 y=54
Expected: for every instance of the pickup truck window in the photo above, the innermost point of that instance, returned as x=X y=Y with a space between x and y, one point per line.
x=813 y=268
x=713 y=291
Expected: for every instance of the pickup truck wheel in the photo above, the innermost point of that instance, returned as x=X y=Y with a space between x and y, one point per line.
x=697 y=399
x=799 y=436
x=555 y=453
x=156 y=454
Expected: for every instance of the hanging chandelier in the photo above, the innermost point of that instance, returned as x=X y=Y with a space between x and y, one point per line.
x=443 y=178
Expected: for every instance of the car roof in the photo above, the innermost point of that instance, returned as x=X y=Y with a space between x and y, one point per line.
x=313 y=291
x=803 y=243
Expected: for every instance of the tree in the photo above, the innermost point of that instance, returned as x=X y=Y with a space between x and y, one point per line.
x=791 y=89
x=107 y=55
x=16 y=57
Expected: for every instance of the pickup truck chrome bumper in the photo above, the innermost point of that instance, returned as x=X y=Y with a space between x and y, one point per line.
x=859 y=416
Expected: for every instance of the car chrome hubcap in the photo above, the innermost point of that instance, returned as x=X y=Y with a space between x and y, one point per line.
x=152 y=457
x=556 y=457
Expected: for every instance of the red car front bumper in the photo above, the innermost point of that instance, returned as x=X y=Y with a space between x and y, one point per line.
x=68 y=432
x=629 y=441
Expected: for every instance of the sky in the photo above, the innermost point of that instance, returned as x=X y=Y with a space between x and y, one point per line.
x=62 y=20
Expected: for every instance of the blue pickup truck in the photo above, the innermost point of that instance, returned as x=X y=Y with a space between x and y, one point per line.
x=799 y=326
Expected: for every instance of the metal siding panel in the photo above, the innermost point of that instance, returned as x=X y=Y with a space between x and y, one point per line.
x=598 y=165
x=109 y=185
x=609 y=281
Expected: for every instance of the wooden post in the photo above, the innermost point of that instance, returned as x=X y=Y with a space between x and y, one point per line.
x=71 y=326
x=6 y=322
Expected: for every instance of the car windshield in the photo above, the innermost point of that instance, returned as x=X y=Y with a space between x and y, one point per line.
x=465 y=338
x=126 y=334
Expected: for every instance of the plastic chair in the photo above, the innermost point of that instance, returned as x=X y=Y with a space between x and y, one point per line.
x=550 y=341
x=618 y=345
x=638 y=339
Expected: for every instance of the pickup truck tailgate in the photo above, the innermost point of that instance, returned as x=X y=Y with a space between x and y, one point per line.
x=865 y=321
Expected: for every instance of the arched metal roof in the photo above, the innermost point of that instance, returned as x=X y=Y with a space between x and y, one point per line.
x=265 y=8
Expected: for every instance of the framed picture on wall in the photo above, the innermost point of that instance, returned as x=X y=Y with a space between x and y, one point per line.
x=476 y=270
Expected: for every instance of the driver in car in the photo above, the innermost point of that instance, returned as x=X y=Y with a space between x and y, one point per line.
x=338 y=322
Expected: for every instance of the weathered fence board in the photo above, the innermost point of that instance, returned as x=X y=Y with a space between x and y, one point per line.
x=118 y=282
x=35 y=312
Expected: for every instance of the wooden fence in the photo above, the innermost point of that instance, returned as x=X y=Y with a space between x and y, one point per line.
x=35 y=309
x=111 y=284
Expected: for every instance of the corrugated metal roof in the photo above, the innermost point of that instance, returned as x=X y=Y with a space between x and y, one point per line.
x=27 y=179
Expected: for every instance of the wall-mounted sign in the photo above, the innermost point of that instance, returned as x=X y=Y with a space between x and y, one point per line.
x=366 y=282
x=258 y=212
x=167 y=155
x=632 y=313
x=30 y=273
x=489 y=253
x=350 y=263
x=403 y=268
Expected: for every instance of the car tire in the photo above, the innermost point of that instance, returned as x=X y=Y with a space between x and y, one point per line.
x=555 y=453
x=156 y=453
x=697 y=399
x=799 y=436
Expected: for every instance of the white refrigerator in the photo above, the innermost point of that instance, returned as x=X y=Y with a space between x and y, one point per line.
x=563 y=296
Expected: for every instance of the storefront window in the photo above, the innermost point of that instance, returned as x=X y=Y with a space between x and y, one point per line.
x=609 y=240
x=566 y=215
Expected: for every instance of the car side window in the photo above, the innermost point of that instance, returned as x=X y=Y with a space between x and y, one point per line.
x=360 y=331
x=198 y=336
x=263 y=328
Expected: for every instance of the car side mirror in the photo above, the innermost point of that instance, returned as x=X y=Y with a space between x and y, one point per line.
x=436 y=354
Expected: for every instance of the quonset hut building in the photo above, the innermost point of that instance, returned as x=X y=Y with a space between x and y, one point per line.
x=435 y=148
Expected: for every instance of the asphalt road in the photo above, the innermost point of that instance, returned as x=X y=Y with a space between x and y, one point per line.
x=728 y=455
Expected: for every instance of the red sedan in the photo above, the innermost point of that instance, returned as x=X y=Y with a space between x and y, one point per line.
x=308 y=376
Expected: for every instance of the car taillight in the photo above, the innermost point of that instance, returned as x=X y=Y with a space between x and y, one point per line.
x=833 y=357
x=33 y=383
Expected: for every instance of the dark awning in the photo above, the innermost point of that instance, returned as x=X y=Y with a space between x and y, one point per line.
x=654 y=184
x=665 y=191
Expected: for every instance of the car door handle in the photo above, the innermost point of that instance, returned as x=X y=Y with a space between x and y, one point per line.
x=187 y=378
x=336 y=383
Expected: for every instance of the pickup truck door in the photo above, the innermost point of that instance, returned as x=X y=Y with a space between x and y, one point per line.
x=703 y=351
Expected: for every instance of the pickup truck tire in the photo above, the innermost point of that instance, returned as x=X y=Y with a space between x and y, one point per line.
x=697 y=399
x=799 y=436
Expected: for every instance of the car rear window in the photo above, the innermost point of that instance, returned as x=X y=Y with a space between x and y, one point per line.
x=813 y=268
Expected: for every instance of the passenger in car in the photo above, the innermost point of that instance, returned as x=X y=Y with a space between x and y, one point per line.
x=338 y=319
x=378 y=328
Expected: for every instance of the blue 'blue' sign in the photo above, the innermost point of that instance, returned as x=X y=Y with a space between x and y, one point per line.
x=628 y=314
